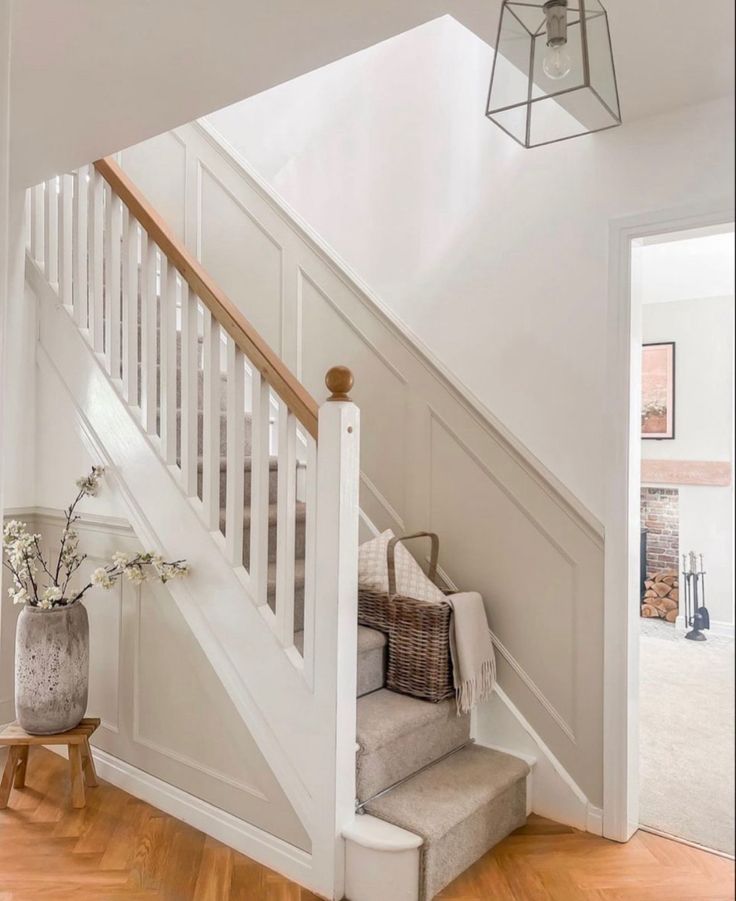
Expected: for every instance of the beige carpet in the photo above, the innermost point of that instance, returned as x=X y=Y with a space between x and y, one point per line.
x=687 y=736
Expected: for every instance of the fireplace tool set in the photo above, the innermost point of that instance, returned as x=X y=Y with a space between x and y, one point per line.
x=697 y=617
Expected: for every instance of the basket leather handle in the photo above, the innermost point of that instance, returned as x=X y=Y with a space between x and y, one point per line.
x=390 y=557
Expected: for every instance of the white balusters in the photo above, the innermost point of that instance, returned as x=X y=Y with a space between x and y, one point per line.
x=130 y=289
x=95 y=265
x=66 y=250
x=149 y=304
x=259 y=487
x=113 y=315
x=286 y=526
x=167 y=344
x=234 y=499
x=211 y=424
x=189 y=390
x=135 y=307
x=51 y=231
x=310 y=555
x=80 y=212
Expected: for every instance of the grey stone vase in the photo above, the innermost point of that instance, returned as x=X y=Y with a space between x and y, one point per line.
x=51 y=668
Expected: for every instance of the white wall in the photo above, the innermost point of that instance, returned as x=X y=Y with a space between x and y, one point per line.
x=703 y=332
x=495 y=256
x=686 y=266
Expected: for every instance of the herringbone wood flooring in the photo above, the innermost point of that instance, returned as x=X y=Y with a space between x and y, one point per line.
x=545 y=861
x=121 y=848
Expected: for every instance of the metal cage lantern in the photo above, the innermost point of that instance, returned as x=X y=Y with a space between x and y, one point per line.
x=553 y=75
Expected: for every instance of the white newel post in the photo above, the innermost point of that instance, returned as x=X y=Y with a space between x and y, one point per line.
x=335 y=624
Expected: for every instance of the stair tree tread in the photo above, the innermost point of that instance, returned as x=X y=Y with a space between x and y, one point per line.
x=273 y=463
x=300 y=515
x=366 y=642
x=385 y=716
x=433 y=802
x=298 y=574
x=247 y=417
x=370 y=639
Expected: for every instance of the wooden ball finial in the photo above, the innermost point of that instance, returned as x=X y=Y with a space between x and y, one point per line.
x=339 y=381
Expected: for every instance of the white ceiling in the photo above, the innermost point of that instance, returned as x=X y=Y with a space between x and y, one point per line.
x=90 y=77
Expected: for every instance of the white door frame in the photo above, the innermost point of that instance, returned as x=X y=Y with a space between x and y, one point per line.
x=623 y=468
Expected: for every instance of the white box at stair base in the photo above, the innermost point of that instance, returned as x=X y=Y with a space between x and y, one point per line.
x=381 y=861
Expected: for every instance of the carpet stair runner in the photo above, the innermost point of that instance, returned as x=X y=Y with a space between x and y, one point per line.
x=416 y=766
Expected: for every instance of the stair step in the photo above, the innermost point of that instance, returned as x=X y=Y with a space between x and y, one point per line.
x=273 y=466
x=398 y=735
x=300 y=519
x=371 y=644
x=372 y=660
x=461 y=807
x=298 y=592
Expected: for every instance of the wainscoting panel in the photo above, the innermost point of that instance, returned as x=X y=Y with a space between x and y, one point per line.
x=105 y=610
x=380 y=392
x=483 y=526
x=163 y=708
x=247 y=259
x=163 y=177
x=431 y=455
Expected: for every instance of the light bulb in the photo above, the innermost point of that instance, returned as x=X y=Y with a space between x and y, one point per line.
x=556 y=62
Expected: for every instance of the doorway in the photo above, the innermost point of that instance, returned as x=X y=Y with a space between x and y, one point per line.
x=623 y=578
x=683 y=284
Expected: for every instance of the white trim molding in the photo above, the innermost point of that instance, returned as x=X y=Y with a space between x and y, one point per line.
x=623 y=464
x=261 y=846
x=551 y=790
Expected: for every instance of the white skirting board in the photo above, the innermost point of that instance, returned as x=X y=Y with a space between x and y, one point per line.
x=262 y=847
x=551 y=791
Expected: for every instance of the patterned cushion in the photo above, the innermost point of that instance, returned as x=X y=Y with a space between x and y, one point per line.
x=411 y=581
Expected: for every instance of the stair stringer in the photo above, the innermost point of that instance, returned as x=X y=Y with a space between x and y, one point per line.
x=268 y=691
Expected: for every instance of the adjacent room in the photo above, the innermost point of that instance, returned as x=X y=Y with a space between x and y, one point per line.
x=685 y=283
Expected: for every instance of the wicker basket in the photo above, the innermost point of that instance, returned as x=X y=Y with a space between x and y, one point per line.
x=418 y=632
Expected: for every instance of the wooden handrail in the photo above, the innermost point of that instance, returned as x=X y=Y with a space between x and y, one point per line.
x=243 y=333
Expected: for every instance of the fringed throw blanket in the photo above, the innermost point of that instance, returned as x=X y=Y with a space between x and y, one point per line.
x=473 y=657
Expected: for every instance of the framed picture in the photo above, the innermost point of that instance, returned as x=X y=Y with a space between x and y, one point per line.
x=658 y=391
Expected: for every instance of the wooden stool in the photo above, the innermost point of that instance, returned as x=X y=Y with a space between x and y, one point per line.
x=81 y=765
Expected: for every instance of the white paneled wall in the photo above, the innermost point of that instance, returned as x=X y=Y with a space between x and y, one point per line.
x=163 y=709
x=429 y=458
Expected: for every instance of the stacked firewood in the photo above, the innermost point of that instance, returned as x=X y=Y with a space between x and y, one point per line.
x=661 y=596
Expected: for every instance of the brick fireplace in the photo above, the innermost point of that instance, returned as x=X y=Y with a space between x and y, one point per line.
x=660 y=517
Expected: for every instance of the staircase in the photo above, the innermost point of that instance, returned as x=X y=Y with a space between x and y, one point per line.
x=418 y=769
x=263 y=483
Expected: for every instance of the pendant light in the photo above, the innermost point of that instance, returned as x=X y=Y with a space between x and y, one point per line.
x=553 y=74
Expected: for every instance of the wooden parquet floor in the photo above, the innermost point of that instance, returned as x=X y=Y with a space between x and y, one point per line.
x=121 y=848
